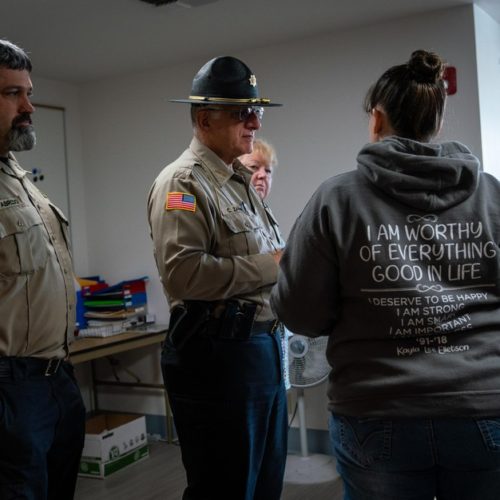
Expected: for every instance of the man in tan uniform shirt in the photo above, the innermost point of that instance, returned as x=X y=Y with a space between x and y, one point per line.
x=216 y=247
x=41 y=410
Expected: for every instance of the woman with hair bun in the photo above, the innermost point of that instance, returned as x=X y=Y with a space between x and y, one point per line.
x=398 y=263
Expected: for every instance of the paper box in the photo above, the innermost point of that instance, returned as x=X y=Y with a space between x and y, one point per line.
x=112 y=442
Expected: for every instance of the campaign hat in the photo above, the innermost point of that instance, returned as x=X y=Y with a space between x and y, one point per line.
x=226 y=80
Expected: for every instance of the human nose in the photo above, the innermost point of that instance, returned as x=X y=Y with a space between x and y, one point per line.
x=253 y=122
x=26 y=105
x=261 y=173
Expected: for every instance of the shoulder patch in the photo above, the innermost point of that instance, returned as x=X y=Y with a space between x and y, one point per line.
x=180 y=201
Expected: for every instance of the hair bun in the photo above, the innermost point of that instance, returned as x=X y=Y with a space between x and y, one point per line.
x=425 y=67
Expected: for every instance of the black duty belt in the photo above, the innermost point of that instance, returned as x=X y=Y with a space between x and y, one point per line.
x=264 y=327
x=233 y=321
x=22 y=367
x=217 y=328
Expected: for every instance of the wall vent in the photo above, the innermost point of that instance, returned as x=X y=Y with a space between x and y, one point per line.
x=181 y=3
x=159 y=2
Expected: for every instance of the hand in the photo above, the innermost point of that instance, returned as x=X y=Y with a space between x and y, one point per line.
x=277 y=256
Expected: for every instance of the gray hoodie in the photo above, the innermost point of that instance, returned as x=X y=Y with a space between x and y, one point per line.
x=398 y=263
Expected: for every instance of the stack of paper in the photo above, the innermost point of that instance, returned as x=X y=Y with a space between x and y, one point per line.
x=113 y=308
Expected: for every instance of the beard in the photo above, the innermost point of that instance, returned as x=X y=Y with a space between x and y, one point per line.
x=21 y=138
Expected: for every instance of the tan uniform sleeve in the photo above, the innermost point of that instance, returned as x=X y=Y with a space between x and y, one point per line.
x=187 y=248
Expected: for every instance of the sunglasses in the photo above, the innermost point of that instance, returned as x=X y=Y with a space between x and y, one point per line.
x=242 y=114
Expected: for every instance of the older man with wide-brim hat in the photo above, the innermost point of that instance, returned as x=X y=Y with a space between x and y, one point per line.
x=217 y=251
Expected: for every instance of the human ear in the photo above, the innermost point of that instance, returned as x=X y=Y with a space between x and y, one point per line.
x=203 y=119
x=379 y=125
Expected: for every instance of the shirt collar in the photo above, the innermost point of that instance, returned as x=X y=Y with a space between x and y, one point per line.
x=13 y=167
x=240 y=169
x=208 y=159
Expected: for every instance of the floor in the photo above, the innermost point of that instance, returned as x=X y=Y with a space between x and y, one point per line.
x=161 y=476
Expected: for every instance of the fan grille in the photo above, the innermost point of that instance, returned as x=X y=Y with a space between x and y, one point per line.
x=307 y=363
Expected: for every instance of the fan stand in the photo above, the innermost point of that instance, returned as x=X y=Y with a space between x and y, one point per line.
x=306 y=468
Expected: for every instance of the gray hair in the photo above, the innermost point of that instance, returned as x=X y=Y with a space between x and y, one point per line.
x=13 y=57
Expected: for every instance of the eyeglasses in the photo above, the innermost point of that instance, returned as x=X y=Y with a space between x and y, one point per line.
x=242 y=114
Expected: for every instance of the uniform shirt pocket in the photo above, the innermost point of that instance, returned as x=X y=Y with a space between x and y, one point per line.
x=243 y=232
x=274 y=224
x=63 y=222
x=23 y=243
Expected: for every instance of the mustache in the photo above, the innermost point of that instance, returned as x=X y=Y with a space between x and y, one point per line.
x=23 y=117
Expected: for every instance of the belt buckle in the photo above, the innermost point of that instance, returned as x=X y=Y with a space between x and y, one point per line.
x=276 y=324
x=52 y=366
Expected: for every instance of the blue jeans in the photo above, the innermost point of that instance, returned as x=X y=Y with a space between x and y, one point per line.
x=229 y=406
x=42 y=429
x=417 y=459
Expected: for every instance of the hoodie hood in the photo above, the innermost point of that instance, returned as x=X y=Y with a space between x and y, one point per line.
x=421 y=175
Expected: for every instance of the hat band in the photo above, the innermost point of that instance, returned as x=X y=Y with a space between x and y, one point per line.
x=229 y=99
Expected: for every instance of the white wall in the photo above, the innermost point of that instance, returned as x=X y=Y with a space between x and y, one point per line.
x=488 y=67
x=130 y=132
x=53 y=93
x=323 y=82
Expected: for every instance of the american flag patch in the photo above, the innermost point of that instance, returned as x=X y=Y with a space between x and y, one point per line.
x=180 y=201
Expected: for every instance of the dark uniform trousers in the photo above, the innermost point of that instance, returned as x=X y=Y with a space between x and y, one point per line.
x=42 y=429
x=229 y=406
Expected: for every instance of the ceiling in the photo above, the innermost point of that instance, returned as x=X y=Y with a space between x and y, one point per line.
x=83 y=40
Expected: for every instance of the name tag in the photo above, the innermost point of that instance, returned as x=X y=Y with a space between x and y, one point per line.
x=9 y=202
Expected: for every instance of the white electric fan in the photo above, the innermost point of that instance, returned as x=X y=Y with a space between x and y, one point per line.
x=307 y=367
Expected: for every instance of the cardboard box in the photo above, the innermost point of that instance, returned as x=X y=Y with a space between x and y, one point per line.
x=112 y=442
